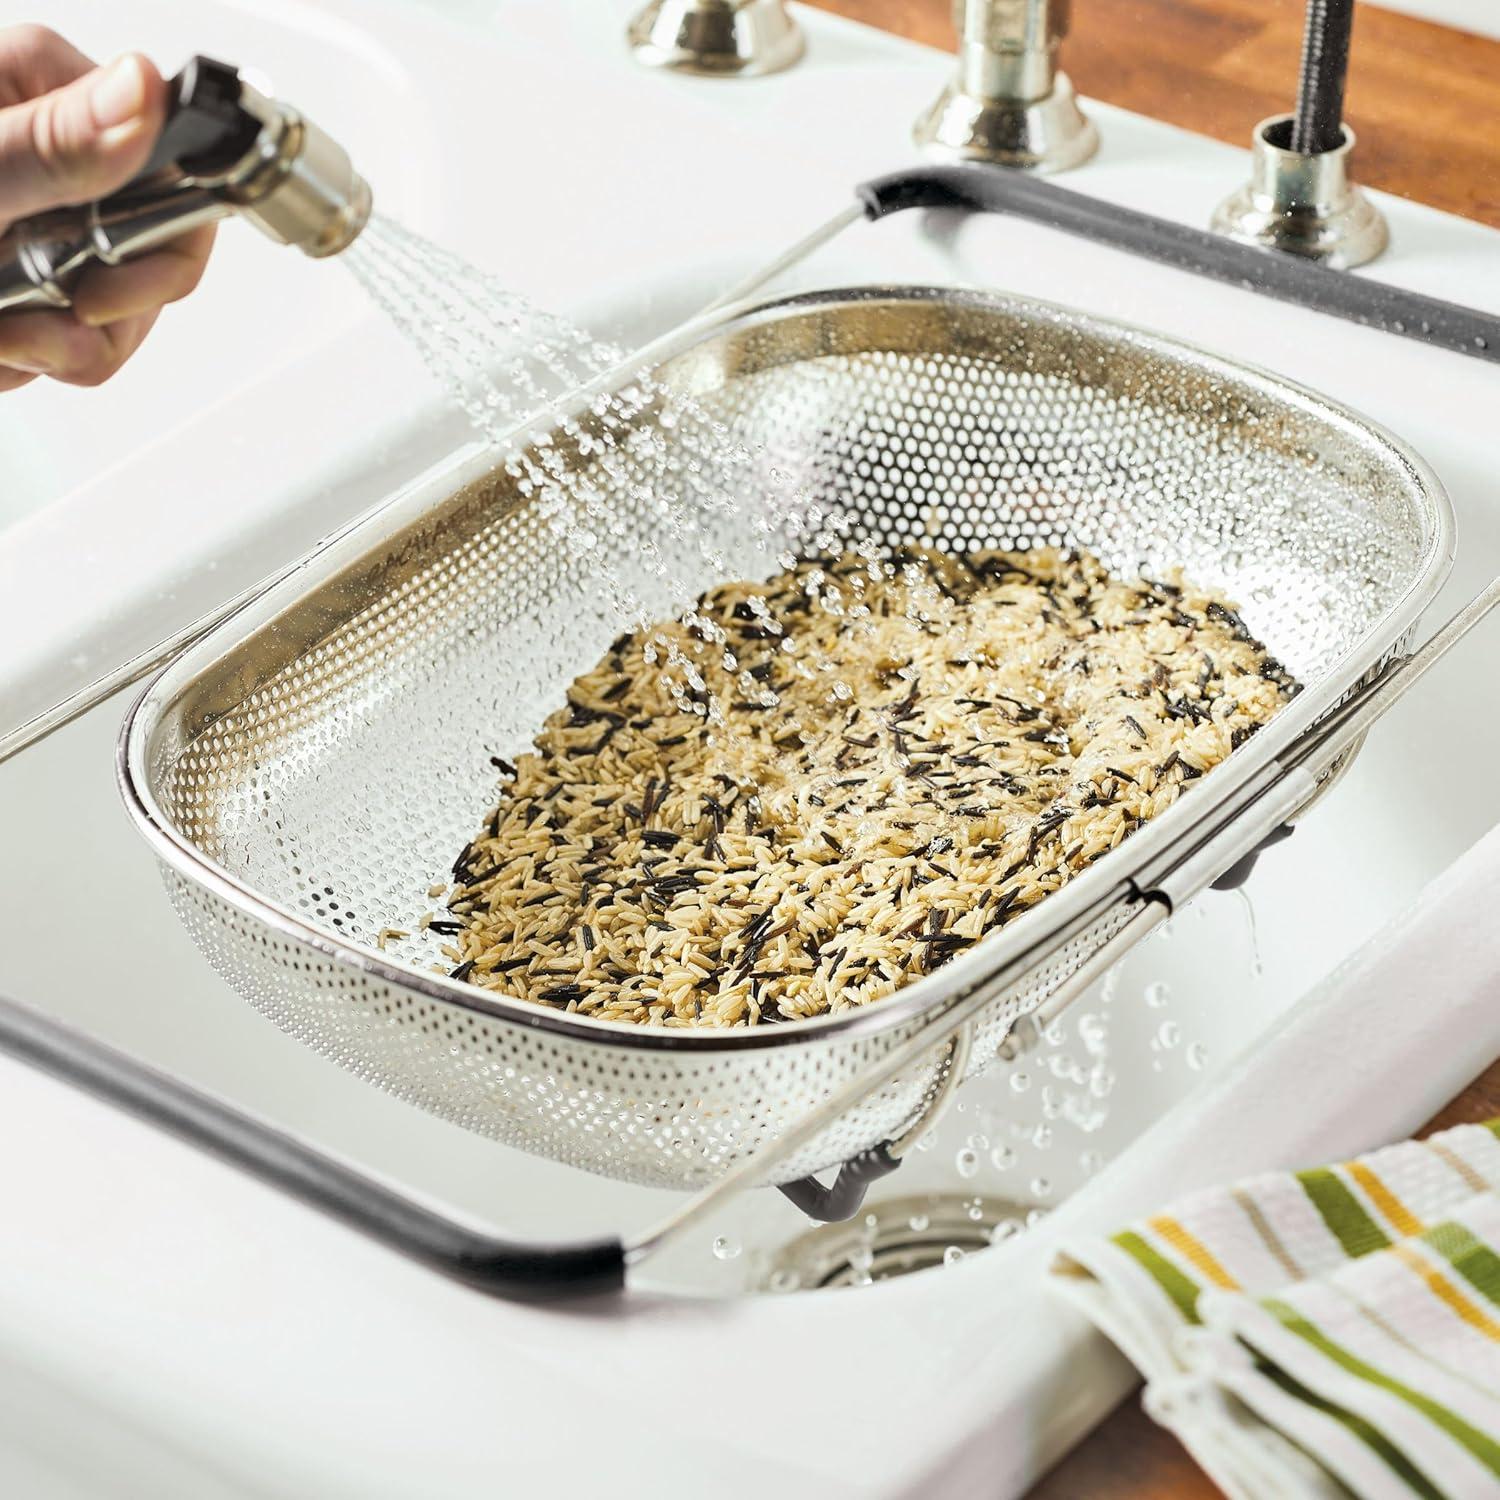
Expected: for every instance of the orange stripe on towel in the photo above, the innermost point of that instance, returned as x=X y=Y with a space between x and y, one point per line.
x=1193 y=1250
x=1396 y=1212
x=1446 y=1292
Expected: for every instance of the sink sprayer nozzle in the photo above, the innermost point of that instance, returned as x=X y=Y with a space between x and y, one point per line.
x=226 y=149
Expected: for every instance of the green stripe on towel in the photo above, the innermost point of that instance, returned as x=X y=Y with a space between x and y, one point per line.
x=1349 y=1224
x=1371 y=1437
x=1480 y=1445
x=1182 y=1290
x=1469 y=1256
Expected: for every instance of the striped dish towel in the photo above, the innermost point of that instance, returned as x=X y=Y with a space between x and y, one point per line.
x=1321 y=1333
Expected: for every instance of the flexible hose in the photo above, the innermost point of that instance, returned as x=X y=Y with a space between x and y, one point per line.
x=1318 y=125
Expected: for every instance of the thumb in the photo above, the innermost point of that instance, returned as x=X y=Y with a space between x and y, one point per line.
x=80 y=141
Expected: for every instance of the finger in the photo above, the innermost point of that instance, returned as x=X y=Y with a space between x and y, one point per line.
x=80 y=141
x=106 y=294
x=44 y=343
x=121 y=340
x=34 y=59
x=112 y=346
x=57 y=344
x=11 y=380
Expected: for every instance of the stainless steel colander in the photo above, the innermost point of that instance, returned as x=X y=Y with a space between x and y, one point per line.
x=307 y=771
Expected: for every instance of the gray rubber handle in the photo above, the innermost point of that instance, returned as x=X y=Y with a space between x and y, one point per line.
x=1273 y=273
x=514 y=1270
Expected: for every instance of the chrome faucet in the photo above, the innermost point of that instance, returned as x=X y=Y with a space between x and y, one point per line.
x=225 y=149
x=716 y=38
x=1009 y=102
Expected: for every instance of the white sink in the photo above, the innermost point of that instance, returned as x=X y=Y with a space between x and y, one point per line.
x=492 y=141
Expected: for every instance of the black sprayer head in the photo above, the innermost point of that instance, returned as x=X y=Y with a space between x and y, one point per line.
x=207 y=128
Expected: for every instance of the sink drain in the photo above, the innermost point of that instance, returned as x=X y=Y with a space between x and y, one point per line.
x=888 y=1239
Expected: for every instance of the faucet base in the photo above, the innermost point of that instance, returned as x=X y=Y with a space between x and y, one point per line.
x=716 y=38
x=1302 y=203
x=1044 y=135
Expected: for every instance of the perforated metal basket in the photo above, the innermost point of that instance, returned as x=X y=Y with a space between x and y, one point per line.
x=309 y=770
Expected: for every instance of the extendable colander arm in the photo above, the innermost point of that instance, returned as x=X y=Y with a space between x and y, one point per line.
x=537 y=1272
x=1273 y=273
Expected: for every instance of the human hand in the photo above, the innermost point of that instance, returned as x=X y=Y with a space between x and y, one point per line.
x=71 y=132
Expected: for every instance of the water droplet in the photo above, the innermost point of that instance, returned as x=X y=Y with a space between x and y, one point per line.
x=1090 y=1162
x=952 y=1255
x=1041 y=1187
x=1197 y=1056
x=919 y=1222
x=1093 y=1033
x=1041 y=1137
x=784 y=1280
x=726 y=1248
x=1252 y=932
x=1169 y=1034
x=861 y=1258
x=1020 y=1082
x=1157 y=994
x=967 y=1161
x=1006 y=1229
x=1002 y=1158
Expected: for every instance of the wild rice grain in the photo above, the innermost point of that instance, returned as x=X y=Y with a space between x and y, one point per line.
x=1017 y=714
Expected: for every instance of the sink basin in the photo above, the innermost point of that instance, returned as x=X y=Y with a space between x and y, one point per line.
x=239 y=1313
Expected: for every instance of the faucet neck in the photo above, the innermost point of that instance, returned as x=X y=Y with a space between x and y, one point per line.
x=1008 y=48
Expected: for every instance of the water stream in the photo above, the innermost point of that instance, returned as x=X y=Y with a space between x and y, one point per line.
x=560 y=405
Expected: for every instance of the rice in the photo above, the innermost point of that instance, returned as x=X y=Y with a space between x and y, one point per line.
x=812 y=790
